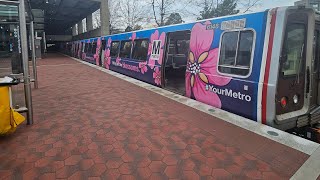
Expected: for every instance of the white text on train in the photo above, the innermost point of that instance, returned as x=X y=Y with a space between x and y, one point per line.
x=228 y=92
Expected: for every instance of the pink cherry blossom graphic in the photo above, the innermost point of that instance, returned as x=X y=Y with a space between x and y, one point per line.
x=202 y=66
x=153 y=37
x=118 y=60
x=96 y=55
x=143 y=67
x=133 y=37
x=109 y=42
x=157 y=76
x=107 y=58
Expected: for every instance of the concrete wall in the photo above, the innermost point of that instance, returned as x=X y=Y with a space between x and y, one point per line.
x=101 y=31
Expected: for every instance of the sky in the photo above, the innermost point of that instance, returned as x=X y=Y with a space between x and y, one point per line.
x=263 y=5
x=191 y=15
x=266 y=4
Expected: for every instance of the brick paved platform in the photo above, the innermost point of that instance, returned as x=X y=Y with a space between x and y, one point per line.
x=89 y=124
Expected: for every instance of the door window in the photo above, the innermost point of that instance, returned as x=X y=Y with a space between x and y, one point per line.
x=183 y=46
x=293 y=49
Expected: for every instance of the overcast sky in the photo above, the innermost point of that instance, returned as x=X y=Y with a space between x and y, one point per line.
x=266 y=4
x=190 y=13
x=263 y=5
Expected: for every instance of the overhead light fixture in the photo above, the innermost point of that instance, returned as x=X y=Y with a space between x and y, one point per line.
x=47 y=1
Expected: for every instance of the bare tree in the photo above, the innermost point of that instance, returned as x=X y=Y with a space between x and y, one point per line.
x=115 y=15
x=96 y=21
x=162 y=9
x=242 y=5
x=247 y=5
x=129 y=12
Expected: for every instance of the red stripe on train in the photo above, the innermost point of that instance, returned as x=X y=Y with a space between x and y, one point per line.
x=267 y=70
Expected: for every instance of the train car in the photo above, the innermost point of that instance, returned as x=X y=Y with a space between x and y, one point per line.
x=90 y=50
x=263 y=66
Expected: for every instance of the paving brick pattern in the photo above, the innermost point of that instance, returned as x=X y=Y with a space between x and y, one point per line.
x=90 y=125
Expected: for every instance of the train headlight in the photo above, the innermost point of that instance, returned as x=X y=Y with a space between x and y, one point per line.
x=284 y=101
x=295 y=99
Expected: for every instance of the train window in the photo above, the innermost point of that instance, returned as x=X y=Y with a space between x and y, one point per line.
x=140 y=50
x=183 y=46
x=89 y=48
x=94 y=47
x=114 y=48
x=236 y=49
x=125 y=49
x=293 y=49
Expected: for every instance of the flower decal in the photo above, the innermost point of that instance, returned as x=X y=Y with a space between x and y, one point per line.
x=157 y=76
x=107 y=58
x=133 y=37
x=96 y=55
x=156 y=36
x=118 y=60
x=201 y=66
x=143 y=67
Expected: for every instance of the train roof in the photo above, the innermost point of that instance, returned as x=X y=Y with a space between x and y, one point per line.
x=215 y=18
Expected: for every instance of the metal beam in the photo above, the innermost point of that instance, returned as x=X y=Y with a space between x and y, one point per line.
x=24 y=51
x=34 y=61
x=44 y=41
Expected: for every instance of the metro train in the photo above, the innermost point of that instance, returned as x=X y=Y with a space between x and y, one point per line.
x=263 y=66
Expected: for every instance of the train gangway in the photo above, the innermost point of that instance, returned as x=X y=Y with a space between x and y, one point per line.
x=93 y=123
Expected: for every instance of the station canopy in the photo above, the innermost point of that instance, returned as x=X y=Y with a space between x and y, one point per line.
x=58 y=16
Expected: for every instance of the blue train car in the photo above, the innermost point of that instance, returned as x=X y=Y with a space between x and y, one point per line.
x=162 y=59
x=262 y=66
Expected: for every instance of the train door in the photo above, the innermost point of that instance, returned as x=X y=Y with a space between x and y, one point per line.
x=73 y=49
x=103 y=46
x=315 y=100
x=292 y=72
x=76 y=49
x=83 y=51
x=177 y=49
x=80 y=50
